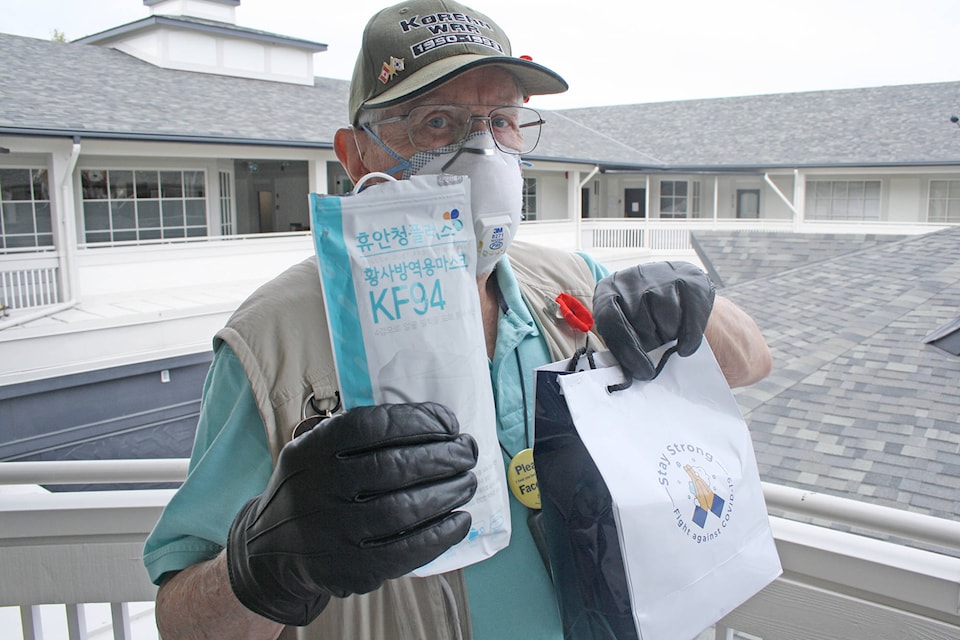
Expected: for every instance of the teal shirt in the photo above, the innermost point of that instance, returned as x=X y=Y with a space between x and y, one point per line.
x=510 y=594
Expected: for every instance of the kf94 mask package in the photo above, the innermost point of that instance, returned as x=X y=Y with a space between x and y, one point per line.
x=398 y=264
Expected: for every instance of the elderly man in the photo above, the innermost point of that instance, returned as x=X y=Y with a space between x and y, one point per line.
x=269 y=534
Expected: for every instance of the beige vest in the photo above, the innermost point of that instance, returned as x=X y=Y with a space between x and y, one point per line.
x=281 y=338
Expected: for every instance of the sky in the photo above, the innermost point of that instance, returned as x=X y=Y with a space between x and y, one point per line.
x=621 y=51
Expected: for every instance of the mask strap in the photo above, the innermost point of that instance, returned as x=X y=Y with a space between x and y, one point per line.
x=403 y=165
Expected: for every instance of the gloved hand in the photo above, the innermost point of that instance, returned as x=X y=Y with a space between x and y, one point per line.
x=366 y=496
x=646 y=306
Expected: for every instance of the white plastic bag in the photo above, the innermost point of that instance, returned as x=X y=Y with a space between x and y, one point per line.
x=398 y=268
x=678 y=463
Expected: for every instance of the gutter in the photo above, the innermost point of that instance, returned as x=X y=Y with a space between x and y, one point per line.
x=68 y=236
x=760 y=169
x=611 y=168
x=161 y=137
x=595 y=171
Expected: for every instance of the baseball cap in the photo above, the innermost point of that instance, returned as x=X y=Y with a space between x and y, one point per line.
x=414 y=46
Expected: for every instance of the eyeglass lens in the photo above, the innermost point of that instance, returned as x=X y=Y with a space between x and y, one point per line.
x=514 y=129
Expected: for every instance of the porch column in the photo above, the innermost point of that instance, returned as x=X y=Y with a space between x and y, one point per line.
x=62 y=165
x=317 y=172
x=799 y=199
x=716 y=200
x=573 y=206
x=647 y=240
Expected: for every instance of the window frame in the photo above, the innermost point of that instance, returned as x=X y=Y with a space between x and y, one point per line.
x=837 y=198
x=692 y=191
x=138 y=205
x=950 y=202
x=528 y=211
x=41 y=236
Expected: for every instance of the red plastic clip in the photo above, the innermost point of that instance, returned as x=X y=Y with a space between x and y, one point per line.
x=575 y=312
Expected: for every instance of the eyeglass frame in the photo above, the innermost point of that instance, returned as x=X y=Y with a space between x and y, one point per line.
x=487 y=119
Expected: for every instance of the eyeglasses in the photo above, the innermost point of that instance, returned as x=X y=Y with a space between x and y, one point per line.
x=515 y=130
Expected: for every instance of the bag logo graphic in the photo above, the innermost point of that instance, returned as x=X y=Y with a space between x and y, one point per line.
x=700 y=489
x=707 y=499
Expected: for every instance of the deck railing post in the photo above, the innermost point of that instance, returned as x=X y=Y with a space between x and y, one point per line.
x=120 y=616
x=76 y=622
x=30 y=622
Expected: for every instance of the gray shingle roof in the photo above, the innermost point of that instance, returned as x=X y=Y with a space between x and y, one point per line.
x=93 y=90
x=734 y=257
x=857 y=404
x=897 y=125
x=96 y=91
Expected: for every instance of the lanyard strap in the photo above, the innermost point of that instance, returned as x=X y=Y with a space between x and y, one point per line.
x=504 y=308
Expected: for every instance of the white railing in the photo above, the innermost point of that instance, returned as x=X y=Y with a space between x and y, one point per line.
x=239 y=237
x=73 y=548
x=76 y=548
x=674 y=235
x=29 y=280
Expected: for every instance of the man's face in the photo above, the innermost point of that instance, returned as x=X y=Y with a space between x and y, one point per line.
x=479 y=89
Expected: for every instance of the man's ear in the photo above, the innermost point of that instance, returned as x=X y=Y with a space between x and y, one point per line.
x=346 y=146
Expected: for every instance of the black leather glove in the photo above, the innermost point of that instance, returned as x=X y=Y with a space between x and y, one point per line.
x=644 y=307
x=366 y=496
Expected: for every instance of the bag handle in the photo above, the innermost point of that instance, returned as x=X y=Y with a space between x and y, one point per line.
x=626 y=384
x=580 y=353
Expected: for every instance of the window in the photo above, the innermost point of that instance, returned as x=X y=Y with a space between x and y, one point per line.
x=843 y=199
x=25 y=209
x=529 y=210
x=944 y=202
x=134 y=205
x=679 y=199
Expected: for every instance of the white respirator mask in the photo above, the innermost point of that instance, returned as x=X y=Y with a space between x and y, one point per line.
x=496 y=190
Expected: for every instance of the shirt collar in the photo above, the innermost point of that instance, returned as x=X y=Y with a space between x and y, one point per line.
x=510 y=290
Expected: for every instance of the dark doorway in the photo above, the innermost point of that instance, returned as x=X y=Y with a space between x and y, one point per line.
x=748 y=203
x=635 y=203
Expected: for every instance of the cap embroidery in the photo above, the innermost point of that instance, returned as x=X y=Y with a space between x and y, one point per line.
x=390 y=69
x=426 y=46
x=441 y=22
x=449 y=28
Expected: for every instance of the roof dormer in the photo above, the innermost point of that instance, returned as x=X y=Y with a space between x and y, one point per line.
x=202 y=36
